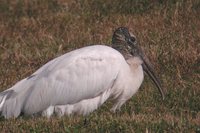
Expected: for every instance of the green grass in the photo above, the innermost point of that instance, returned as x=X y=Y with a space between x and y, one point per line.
x=33 y=32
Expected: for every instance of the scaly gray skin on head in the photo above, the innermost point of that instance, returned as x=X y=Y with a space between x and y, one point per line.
x=126 y=43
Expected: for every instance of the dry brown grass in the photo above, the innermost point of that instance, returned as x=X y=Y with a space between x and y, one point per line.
x=33 y=32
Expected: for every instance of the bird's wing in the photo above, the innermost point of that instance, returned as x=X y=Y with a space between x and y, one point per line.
x=78 y=75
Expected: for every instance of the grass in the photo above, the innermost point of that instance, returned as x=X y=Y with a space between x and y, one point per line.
x=33 y=32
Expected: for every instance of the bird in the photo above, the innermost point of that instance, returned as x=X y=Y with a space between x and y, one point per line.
x=80 y=81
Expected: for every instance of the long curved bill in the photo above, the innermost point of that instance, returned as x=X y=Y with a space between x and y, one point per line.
x=150 y=72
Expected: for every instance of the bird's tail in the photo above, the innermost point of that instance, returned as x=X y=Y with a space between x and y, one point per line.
x=3 y=96
x=12 y=99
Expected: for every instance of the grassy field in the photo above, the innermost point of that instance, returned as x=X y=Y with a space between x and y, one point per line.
x=33 y=32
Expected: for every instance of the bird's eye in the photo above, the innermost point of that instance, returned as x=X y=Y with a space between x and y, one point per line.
x=132 y=39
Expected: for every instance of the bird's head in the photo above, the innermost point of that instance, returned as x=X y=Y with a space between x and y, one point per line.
x=125 y=42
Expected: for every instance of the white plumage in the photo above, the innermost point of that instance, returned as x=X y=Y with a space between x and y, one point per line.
x=76 y=82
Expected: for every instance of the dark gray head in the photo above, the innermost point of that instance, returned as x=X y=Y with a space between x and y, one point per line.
x=126 y=43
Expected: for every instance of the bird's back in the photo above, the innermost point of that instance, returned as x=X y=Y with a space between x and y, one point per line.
x=93 y=53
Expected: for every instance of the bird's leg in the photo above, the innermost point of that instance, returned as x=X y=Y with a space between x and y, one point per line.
x=117 y=105
x=85 y=122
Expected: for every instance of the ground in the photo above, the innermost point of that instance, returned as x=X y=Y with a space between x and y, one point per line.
x=34 y=32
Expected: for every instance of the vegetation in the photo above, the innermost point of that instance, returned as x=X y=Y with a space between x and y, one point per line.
x=34 y=32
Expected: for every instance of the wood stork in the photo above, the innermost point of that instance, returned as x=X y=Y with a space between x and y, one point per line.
x=81 y=80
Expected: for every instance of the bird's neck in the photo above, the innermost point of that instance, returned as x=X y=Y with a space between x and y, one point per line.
x=134 y=62
x=121 y=47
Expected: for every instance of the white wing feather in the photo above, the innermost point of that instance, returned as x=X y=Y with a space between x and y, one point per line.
x=81 y=74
